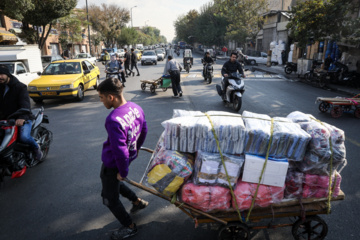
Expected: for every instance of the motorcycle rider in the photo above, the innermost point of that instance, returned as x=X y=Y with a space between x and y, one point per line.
x=206 y=60
x=14 y=96
x=114 y=63
x=231 y=66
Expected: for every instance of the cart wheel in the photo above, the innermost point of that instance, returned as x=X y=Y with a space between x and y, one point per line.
x=234 y=231
x=336 y=112
x=324 y=107
x=143 y=86
x=152 y=88
x=312 y=228
x=164 y=89
x=357 y=112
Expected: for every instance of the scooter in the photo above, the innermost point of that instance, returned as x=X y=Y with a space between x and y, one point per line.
x=290 y=67
x=208 y=72
x=234 y=90
x=187 y=66
x=16 y=157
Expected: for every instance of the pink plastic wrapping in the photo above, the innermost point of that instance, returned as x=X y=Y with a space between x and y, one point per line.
x=205 y=198
x=316 y=186
x=293 y=184
x=267 y=195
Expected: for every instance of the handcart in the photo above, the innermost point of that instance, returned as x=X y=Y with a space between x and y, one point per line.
x=339 y=105
x=163 y=82
x=308 y=224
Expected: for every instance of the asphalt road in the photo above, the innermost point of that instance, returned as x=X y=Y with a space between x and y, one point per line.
x=60 y=199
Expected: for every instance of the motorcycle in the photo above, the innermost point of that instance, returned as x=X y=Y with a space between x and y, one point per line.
x=187 y=65
x=234 y=90
x=16 y=157
x=177 y=52
x=290 y=67
x=208 y=72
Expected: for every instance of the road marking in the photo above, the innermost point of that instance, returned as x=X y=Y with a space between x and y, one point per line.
x=353 y=142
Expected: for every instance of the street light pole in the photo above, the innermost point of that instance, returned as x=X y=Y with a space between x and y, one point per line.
x=131 y=15
x=87 y=15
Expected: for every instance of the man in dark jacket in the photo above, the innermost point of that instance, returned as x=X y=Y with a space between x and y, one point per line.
x=134 y=62
x=127 y=61
x=14 y=96
x=207 y=59
x=231 y=66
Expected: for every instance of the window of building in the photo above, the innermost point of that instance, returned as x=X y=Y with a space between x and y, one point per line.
x=16 y=24
x=2 y=25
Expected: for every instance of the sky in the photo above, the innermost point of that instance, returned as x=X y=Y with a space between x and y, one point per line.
x=155 y=13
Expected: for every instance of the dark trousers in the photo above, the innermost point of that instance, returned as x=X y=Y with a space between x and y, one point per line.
x=127 y=68
x=134 y=65
x=175 y=82
x=226 y=84
x=111 y=188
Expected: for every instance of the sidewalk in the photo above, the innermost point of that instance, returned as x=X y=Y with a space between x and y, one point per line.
x=279 y=69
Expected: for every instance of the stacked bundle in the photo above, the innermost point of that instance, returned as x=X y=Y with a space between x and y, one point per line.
x=294 y=184
x=320 y=150
x=316 y=186
x=193 y=133
x=206 y=198
x=209 y=169
x=266 y=195
x=289 y=140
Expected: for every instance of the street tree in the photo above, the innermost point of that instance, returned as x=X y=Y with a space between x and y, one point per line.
x=108 y=20
x=244 y=17
x=39 y=13
x=210 y=29
x=315 y=20
x=127 y=36
x=185 y=25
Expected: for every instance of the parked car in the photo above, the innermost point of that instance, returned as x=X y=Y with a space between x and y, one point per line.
x=121 y=52
x=160 y=54
x=64 y=79
x=259 y=57
x=47 y=59
x=86 y=56
x=149 y=57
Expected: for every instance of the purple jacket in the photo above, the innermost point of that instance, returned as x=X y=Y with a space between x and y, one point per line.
x=127 y=129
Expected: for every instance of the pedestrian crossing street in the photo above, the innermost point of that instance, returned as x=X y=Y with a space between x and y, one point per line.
x=248 y=76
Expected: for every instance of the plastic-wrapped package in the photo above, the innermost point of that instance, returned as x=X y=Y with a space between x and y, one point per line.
x=293 y=184
x=209 y=169
x=318 y=154
x=317 y=186
x=194 y=133
x=289 y=140
x=169 y=170
x=205 y=198
x=267 y=195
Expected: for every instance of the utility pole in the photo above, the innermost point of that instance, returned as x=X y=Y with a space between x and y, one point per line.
x=87 y=16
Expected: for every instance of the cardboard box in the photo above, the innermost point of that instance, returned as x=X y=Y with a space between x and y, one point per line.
x=274 y=174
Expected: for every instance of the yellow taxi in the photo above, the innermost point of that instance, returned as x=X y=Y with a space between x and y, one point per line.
x=138 y=54
x=64 y=79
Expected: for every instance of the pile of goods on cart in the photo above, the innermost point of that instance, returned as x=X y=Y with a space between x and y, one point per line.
x=221 y=162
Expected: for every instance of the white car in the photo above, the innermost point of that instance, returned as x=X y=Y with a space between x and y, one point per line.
x=121 y=53
x=86 y=56
x=262 y=59
x=160 y=54
x=149 y=57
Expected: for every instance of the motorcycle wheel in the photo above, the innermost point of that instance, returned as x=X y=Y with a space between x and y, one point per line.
x=237 y=102
x=209 y=80
x=43 y=138
x=288 y=70
x=187 y=69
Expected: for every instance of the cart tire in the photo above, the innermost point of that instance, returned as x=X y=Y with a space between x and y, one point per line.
x=164 y=89
x=312 y=228
x=234 y=230
x=288 y=70
x=143 y=86
x=324 y=107
x=152 y=88
x=336 y=112
x=357 y=112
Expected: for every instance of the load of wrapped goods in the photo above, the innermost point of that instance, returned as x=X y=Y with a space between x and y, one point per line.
x=316 y=186
x=209 y=169
x=289 y=140
x=320 y=151
x=205 y=198
x=293 y=184
x=169 y=170
x=244 y=193
x=194 y=133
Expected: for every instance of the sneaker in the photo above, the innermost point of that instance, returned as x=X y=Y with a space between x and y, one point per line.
x=180 y=94
x=123 y=233
x=38 y=154
x=142 y=204
x=138 y=74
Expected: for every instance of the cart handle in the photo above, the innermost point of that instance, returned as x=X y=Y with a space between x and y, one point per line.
x=147 y=149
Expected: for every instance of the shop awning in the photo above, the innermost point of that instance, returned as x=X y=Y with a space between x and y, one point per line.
x=7 y=37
